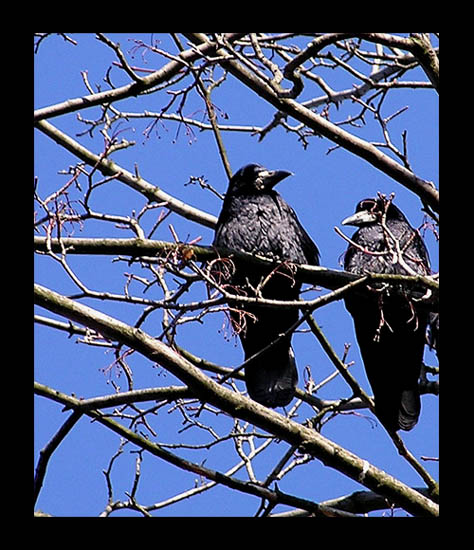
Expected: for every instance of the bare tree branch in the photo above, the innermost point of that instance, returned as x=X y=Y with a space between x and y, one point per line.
x=110 y=168
x=360 y=502
x=155 y=449
x=330 y=453
x=133 y=89
x=328 y=278
x=424 y=189
x=337 y=86
x=418 y=44
x=49 y=449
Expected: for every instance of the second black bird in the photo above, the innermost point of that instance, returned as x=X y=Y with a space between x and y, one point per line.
x=255 y=219
x=390 y=326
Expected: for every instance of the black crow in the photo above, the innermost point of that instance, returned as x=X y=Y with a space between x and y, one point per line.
x=255 y=219
x=390 y=326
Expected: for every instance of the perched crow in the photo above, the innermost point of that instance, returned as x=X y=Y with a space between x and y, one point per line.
x=255 y=219
x=390 y=327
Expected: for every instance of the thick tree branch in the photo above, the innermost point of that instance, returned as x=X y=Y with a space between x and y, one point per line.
x=424 y=189
x=359 y=502
x=180 y=392
x=134 y=88
x=424 y=51
x=239 y=406
x=274 y=496
x=418 y=44
x=328 y=278
x=282 y=99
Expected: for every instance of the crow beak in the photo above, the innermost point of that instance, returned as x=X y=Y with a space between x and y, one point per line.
x=360 y=218
x=269 y=178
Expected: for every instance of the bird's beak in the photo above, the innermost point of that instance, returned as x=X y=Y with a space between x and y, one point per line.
x=360 y=218
x=269 y=178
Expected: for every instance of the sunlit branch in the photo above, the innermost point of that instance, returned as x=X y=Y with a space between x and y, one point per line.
x=239 y=406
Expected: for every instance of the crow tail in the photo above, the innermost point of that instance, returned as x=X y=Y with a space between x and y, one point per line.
x=272 y=377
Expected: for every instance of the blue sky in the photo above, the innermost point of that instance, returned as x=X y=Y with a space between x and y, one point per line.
x=324 y=189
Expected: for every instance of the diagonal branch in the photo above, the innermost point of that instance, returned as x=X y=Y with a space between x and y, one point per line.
x=134 y=88
x=424 y=189
x=110 y=168
x=239 y=406
x=274 y=496
x=424 y=51
x=418 y=45
x=48 y=450
x=360 y=502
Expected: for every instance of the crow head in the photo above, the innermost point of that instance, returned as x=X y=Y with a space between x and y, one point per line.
x=371 y=211
x=255 y=179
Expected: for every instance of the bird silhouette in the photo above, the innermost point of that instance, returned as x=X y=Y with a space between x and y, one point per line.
x=255 y=219
x=390 y=326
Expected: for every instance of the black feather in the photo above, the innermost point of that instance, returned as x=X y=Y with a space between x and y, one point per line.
x=390 y=326
x=255 y=219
